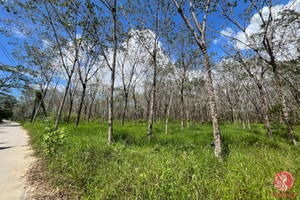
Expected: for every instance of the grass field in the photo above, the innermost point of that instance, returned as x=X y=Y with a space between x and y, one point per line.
x=180 y=165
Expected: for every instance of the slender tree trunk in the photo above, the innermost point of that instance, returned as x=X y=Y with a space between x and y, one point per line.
x=33 y=111
x=49 y=108
x=112 y=80
x=135 y=109
x=284 y=107
x=80 y=104
x=152 y=106
x=62 y=103
x=182 y=105
x=43 y=107
x=41 y=104
x=249 y=124
x=105 y=112
x=125 y=109
x=90 y=110
x=37 y=111
x=168 y=112
x=147 y=112
x=213 y=107
x=264 y=109
x=103 y=118
x=70 y=109
x=187 y=115
x=232 y=113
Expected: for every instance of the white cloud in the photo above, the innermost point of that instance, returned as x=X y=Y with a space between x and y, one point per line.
x=215 y=41
x=289 y=34
x=17 y=33
x=46 y=43
x=228 y=32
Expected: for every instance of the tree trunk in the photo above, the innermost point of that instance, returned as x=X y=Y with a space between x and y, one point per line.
x=70 y=109
x=264 y=109
x=49 y=108
x=187 y=115
x=90 y=110
x=182 y=105
x=168 y=112
x=152 y=106
x=80 y=104
x=112 y=80
x=135 y=110
x=249 y=124
x=284 y=107
x=147 y=112
x=62 y=103
x=34 y=109
x=213 y=107
x=125 y=109
x=43 y=107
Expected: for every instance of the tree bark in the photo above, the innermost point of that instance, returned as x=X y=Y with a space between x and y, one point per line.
x=264 y=109
x=152 y=106
x=70 y=109
x=168 y=113
x=125 y=108
x=34 y=109
x=112 y=80
x=187 y=115
x=213 y=107
x=135 y=109
x=62 y=103
x=90 y=109
x=284 y=107
x=182 y=105
x=80 y=105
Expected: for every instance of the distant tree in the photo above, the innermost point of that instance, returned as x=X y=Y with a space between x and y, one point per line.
x=151 y=21
x=187 y=60
x=131 y=67
x=273 y=42
x=7 y=103
x=89 y=63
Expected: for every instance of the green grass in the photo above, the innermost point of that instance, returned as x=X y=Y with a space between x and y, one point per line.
x=180 y=165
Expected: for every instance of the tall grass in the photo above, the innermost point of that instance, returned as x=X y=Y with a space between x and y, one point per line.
x=179 y=165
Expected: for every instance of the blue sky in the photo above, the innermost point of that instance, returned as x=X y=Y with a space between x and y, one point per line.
x=217 y=23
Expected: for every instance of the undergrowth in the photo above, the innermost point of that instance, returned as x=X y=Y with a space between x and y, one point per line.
x=179 y=165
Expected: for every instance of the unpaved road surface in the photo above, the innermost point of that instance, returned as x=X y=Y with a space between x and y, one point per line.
x=15 y=160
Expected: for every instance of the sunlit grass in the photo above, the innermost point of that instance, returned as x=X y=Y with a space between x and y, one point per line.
x=179 y=165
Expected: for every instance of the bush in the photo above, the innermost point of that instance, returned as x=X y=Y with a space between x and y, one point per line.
x=52 y=139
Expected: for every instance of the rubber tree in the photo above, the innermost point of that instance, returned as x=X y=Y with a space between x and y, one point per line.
x=198 y=31
x=270 y=43
x=151 y=19
x=89 y=63
x=131 y=67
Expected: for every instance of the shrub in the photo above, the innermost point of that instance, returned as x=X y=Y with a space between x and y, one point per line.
x=52 y=139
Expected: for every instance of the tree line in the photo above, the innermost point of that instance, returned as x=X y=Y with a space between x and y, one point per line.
x=151 y=60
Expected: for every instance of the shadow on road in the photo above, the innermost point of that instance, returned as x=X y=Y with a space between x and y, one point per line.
x=3 y=148
x=13 y=125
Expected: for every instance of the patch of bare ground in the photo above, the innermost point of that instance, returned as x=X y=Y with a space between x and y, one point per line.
x=42 y=184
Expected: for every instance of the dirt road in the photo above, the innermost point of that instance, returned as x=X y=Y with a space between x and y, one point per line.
x=15 y=160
